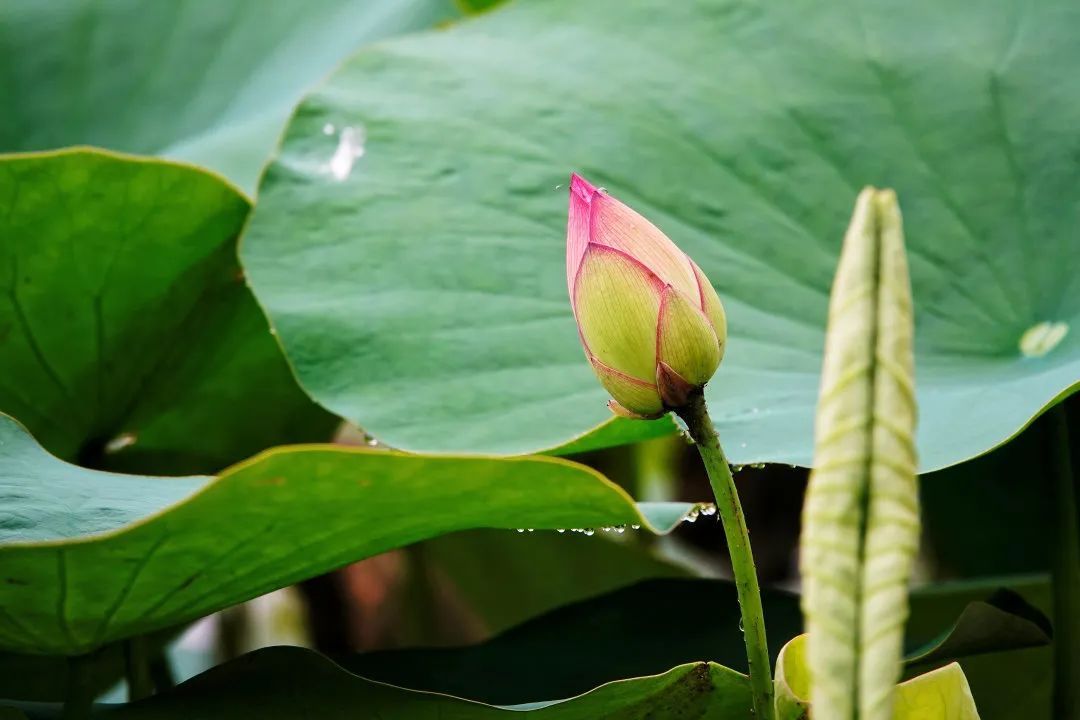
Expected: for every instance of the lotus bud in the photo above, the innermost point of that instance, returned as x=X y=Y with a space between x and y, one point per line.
x=651 y=324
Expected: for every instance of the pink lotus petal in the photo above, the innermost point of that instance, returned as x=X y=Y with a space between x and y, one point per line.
x=577 y=226
x=616 y=225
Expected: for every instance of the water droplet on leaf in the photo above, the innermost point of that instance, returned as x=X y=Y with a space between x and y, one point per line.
x=350 y=147
x=1040 y=339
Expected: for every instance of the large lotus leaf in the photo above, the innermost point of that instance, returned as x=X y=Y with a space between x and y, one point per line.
x=282 y=683
x=129 y=337
x=420 y=289
x=198 y=80
x=87 y=557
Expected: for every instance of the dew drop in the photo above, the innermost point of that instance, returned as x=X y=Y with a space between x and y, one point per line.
x=589 y=531
x=708 y=510
x=558 y=187
x=741 y=628
x=1040 y=339
x=521 y=530
x=635 y=527
x=620 y=529
x=561 y=530
x=328 y=129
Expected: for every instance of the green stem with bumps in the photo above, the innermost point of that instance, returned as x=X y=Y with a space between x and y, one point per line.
x=140 y=684
x=79 y=698
x=698 y=422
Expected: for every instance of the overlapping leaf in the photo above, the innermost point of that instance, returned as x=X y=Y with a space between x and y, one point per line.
x=130 y=339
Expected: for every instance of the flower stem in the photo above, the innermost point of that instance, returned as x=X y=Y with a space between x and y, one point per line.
x=79 y=698
x=137 y=666
x=696 y=417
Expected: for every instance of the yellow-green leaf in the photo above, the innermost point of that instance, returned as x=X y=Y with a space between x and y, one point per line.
x=942 y=694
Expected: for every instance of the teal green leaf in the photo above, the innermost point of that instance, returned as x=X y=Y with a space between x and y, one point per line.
x=209 y=83
x=1003 y=620
x=941 y=694
x=130 y=338
x=288 y=682
x=861 y=517
x=742 y=129
x=88 y=557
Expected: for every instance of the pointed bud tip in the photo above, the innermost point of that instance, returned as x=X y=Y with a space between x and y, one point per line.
x=581 y=187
